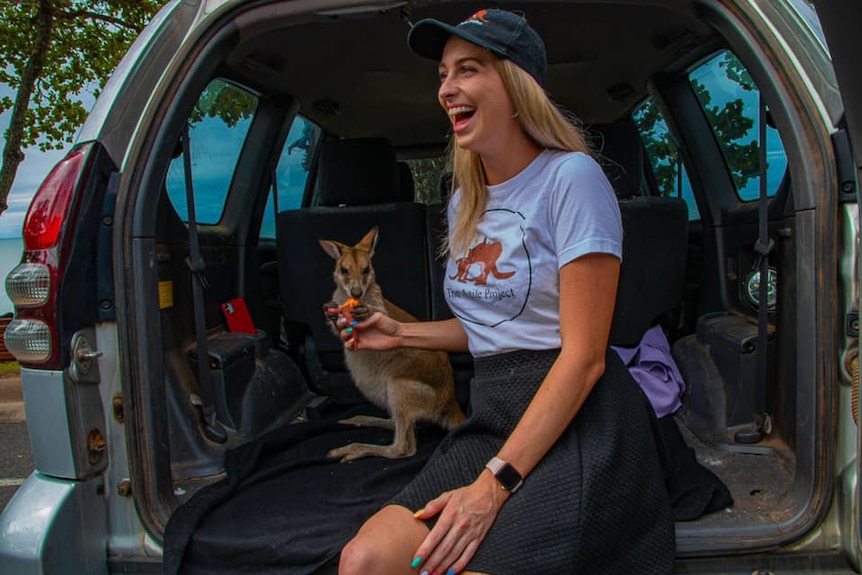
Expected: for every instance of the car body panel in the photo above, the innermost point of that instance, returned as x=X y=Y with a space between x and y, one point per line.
x=839 y=21
x=54 y=527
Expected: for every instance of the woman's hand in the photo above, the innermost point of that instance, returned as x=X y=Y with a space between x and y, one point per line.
x=378 y=332
x=466 y=515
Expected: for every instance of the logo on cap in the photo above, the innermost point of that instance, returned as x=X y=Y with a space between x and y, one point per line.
x=477 y=18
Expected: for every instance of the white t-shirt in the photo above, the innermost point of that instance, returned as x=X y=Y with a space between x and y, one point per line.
x=505 y=289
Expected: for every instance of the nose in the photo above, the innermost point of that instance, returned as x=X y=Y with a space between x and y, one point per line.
x=446 y=90
x=356 y=291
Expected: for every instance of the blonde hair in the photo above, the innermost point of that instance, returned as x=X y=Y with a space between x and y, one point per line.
x=542 y=121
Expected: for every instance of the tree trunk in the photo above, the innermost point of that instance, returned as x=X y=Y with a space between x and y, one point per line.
x=12 y=154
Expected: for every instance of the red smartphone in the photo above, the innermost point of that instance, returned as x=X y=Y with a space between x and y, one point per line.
x=236 y=314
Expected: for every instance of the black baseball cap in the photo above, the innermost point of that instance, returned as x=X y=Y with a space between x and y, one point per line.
x=502 y=32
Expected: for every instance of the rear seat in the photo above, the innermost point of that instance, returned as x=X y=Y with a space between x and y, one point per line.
x=655 y=237
x=358 y=187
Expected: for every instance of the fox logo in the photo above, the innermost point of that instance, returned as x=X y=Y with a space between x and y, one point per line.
x=479 y=17
x=484 y=256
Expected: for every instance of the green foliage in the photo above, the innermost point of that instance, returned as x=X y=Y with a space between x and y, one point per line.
x=9 y=369
x=660 y=146
x=426 y=179
x=222 y=100
x=729 y=122
x=88 y=39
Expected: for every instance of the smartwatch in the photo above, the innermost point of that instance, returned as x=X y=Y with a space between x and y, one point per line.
x=508 y=476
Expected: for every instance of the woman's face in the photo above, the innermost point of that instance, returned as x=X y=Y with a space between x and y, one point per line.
x=472 y=93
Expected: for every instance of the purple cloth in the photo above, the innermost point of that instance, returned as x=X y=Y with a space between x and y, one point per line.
x=653 y=367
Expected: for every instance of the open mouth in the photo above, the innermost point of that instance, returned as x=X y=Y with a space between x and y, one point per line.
x=461 y=116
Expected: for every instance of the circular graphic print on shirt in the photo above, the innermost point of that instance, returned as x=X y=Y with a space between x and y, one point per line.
x=490 y=283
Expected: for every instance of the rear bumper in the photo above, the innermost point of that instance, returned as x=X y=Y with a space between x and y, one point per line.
x=53 y=527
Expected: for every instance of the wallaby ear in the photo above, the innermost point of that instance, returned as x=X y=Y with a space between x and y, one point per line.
x=369 y=242
x=333 y=248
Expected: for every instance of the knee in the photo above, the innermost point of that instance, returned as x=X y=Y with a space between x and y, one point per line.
x=358 y=557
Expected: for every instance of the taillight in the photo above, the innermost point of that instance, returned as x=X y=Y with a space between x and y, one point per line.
x=33 y=336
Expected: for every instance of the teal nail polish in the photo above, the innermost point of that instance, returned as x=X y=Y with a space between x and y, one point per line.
x=417 y=561
x=348 y=330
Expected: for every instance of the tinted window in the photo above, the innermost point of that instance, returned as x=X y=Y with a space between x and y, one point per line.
x=291 y=173
x=663 y=155
x=218 y=128
x=427 y=183
x=731 y=103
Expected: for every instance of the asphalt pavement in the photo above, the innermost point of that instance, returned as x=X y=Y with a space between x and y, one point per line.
x=16 y=459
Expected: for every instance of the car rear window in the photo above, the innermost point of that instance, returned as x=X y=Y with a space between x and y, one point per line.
x=731 y=102
x=218 y=128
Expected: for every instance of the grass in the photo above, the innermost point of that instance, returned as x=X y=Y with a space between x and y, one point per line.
x=9 y=369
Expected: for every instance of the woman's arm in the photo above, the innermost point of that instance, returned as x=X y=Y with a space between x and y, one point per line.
x=588 y=287
x=381 y=332
x=446 y=335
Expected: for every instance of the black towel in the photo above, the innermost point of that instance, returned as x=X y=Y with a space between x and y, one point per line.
x=262 y=518
x=694 y=489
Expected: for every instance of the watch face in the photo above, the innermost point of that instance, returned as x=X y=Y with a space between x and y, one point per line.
x=509 y=477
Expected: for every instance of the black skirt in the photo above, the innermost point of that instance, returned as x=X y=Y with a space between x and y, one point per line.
x=596 y=503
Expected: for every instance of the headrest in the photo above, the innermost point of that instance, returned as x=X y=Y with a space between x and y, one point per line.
x=620 y=152
x=357 y=172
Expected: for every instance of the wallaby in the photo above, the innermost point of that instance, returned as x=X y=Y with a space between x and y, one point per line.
x=410 y=384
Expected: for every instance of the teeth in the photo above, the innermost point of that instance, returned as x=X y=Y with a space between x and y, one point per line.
x=460 y=110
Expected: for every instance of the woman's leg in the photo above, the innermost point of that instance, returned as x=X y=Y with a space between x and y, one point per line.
x=385 y=545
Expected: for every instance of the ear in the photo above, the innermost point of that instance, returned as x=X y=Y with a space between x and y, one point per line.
x=369 y=242
x=334 y=249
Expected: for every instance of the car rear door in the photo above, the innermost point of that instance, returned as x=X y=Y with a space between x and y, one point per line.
x=841 y=20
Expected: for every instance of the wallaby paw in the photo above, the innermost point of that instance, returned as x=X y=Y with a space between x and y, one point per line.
x=361 y=312
x=330 y=315
x=348 y=453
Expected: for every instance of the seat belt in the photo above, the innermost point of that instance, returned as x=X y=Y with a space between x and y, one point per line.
x=212 y=429
x=762 y=422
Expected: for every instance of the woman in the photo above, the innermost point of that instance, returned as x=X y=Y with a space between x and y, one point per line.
x=556 y=470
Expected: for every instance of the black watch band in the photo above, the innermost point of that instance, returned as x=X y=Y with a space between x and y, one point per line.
x=507 y=475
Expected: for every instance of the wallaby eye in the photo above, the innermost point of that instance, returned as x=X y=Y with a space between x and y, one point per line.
x=344 y=271
x=366 y=271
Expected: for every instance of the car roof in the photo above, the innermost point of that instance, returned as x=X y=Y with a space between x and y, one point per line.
x=354 y=75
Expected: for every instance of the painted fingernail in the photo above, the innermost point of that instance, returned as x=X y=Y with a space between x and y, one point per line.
x=450 y=572
x=348 y=330
x=354 y=323
x=424 y=573
x=418 y=513
x=417 y=561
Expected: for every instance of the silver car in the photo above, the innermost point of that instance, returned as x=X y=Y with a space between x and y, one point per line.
x=180 y=385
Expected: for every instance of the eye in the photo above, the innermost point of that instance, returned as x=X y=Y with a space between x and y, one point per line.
x=366 y=271
x=344 y=271
x=442 y=76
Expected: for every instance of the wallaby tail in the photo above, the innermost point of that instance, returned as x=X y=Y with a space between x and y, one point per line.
x=501 y=275
x=453 y=416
